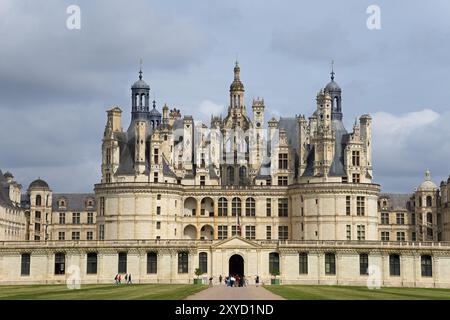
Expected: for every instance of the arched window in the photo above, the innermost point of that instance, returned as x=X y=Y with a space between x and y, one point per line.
x=429 y=201
x=142 y=101
x=242 y=175
x=230 y=175
x=223 y=207
x=136 y=100
x=429 y=218
x=250 y=207
x=274 y=263
x=236 y=207
x=38 y=200
x=203 y=262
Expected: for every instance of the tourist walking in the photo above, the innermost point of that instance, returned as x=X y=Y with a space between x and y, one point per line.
x=129 y=279
x=211 y=281
x=120 y=279
x=116 y=279
x=257 y=280
x=126 y=278
x=220 y=279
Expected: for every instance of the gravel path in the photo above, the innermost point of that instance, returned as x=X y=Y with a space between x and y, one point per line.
x=221 y=292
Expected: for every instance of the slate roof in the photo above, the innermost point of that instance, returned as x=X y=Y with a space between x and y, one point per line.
x=74 y=201
x=397 y=201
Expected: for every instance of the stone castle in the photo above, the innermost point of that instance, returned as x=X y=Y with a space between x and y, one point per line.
x=246 y=196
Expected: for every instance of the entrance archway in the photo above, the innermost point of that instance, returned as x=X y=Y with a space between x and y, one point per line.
x=236 y=265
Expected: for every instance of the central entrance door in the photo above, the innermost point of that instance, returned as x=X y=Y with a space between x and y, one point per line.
x=236 y=265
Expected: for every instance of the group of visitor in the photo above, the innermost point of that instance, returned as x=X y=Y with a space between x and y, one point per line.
x=118 y=279
x=234 y=281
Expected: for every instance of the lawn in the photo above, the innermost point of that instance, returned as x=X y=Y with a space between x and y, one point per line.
x=298 y=292
x=100 y=292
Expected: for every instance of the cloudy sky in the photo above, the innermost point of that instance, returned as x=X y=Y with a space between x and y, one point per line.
x=56 y=83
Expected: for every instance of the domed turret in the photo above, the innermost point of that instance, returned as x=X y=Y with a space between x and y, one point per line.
x=427 y=185
x=39 y=184
x=140 y=92
x=335 y=92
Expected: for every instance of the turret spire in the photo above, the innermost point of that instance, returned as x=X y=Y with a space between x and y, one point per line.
x=332 y=70
x=140 y=69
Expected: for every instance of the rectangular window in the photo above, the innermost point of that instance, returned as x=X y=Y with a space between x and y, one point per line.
x=394 y=264
x=356 y=178
x=234 y=231
x=361 y=229
x=385 y=218
x=282 y=181
x=385 y=236
x=413 y=219
x=222 y=232
x=102 y=206
x=348 y=205
x=283 y=161
x=400 y=218
x=155 y=177
x=60 y=263
x=152 y=262
x=76 y=235
x=101 y=232
x=303 y=262
x=426 y=266
x=90 y=218
x=223 y=207
x=91 y=267
x=413 y=236
x=25 y=264
x=250 y=232
x=37 y=227
x=155 y=155
x=62 y=218
x=330 y=264
x=61 y=235
x=76 y=218
x=108 y=155
x=355 y=158
x=89 y=235
x=268 y=207
x=360 y=206
x=203 y=262
x=283 y=233
x=202 y=180
x=158 y=225
x=349 y=232
x=283 y=206
x=183 y=262
x=400 y=236
x=363 y=264
x=122 y=264
x=268 y=232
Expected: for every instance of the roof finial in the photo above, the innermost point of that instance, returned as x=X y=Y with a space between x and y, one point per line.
x=332 y=70
x=140 y=69
x=427 y=175
x=154 y=104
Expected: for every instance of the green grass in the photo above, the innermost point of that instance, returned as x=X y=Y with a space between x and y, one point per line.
x=100 y=292
x=299 y=292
